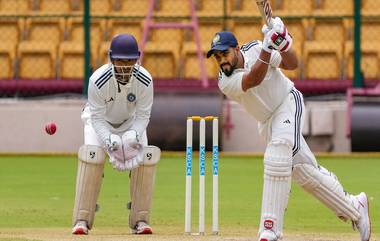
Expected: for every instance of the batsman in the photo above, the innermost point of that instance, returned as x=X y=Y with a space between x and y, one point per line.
x=251 y=75
x=120 y=98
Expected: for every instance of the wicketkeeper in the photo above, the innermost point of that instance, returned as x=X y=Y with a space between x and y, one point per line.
x=120 y=97
x=251 y=75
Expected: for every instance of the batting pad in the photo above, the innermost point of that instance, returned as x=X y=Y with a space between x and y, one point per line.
x=277 y=177
x=152 y=155
x=326 y=188
x=89 y=180
x=141 y=186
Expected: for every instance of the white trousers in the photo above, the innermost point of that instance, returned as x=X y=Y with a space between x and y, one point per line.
x=286 y=125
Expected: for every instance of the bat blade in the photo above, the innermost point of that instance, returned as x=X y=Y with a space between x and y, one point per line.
x=265 y=11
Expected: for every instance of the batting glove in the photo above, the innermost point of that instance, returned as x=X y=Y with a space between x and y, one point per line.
x=279 y=37
x=267 y=38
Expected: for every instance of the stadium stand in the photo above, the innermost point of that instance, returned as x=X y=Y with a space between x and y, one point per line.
x=207 y=30
x=323 y=61
x=43 y=39
x=7 y=58
x=369 y=62
x=37 y=61
x=11 y=30
x=209 y=8
x=98 y=7
x=132 y=26
x=37 y=53
x=53 y=6
x=333 y=8
x=129 y=8
x=247 y=30
x=161 y=52
x=14 y=7
x=323 y=53
x=292 y=8
x=98 y=33
x=371 y=7
x=244 y=8
x=172 y=8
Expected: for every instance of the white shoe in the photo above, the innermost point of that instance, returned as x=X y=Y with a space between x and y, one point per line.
x=267 y=235
x=363 y=225
x=142 y=228
x=80 y=228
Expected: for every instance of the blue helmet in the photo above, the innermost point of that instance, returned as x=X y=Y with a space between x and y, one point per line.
x=123 y=47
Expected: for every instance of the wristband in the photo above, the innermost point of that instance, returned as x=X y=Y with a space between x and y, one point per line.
x=262 y=61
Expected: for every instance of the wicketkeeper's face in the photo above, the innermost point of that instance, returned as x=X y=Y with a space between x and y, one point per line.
x=123 y=69
x=227 y=60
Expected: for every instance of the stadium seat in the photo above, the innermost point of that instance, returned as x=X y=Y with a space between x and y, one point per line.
x=54 y=6
x=246 y=31
x=97 y=7
x=207 y=30
x=323 y=60
x=97 y=35
x=209 y=8
x=325 y=29
x=7 y=60
x=292 y=7
x=190 y=63
x=370 y=30
x=161 y=62
x=11 y=30
x=103 y=53
x=97 y=30
x=163 y=48
x=244 y=8
x=36 y=60
x=45 y=30
x=14 y=7
x=189 y=59
x=71 y=60
x=117 y=26
x=370 y=60
x=38 y=53
x=298 y=28
x=172 y=8
x=333 y=8
x=130 y=8
x=370 y=7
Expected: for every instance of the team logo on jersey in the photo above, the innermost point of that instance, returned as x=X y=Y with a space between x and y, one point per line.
x=216 y=39
x=131 y=97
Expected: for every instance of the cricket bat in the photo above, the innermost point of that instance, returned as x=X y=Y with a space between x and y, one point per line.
x=266 y=11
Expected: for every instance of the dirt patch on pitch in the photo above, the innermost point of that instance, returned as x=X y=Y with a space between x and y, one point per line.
x=119 y=234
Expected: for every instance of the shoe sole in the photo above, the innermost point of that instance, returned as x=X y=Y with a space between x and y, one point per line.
x=145 y=231
x=369 y=218
x=80 y=231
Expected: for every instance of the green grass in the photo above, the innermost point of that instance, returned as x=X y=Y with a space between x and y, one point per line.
x=38 y=191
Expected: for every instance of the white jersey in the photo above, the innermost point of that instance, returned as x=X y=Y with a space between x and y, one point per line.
x=262 y=100
x=113 y=107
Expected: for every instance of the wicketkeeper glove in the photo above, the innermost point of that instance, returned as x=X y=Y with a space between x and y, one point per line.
x=114 y=149
x=133 y=150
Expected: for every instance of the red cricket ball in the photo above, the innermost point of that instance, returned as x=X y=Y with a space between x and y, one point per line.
x=51 y=128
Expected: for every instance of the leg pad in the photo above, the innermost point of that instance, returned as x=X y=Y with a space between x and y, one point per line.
x=89 y=180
